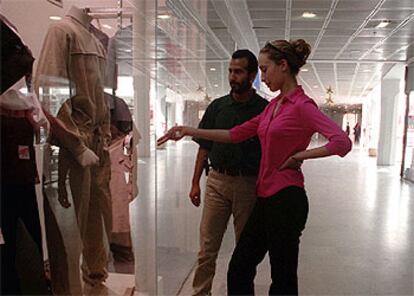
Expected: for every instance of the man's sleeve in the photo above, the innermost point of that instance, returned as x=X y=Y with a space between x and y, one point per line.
x=207 y=122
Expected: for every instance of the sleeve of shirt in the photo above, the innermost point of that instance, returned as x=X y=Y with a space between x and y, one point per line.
x=339 y=143
x=52 y=64
x=207 y=122
x=245 y=130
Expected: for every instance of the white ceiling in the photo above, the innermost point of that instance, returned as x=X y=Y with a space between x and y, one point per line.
x=349 y=52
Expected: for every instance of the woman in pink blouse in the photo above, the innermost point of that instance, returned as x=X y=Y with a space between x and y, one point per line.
x=285 y=129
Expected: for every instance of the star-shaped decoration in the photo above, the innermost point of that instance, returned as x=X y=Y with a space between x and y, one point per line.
x=207 y=98
x=329 y=100
x=200 y=88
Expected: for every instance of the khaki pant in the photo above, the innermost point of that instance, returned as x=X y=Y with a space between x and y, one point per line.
x=225 y=195
x=92 y=201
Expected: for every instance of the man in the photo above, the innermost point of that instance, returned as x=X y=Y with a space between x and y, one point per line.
x=231 y=183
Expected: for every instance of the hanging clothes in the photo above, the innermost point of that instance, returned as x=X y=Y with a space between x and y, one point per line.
x=121 y=185
x=111 y=69
x=20 y=115
x=123 y=154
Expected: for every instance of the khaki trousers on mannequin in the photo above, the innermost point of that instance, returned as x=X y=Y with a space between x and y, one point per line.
x=225 y=195
x=89 y=188
x=91 y=196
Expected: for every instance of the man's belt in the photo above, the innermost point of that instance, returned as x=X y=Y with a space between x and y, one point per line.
x=234 y=171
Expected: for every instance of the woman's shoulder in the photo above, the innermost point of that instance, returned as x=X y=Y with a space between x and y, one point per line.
x=305 y=101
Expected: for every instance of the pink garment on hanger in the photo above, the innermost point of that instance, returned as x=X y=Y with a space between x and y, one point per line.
x=121 y=184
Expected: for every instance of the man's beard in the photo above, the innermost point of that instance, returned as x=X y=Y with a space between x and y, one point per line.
x=240 y=87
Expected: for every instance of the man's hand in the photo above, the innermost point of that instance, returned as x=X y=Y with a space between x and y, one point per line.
x=291 y=163
x=195 y=194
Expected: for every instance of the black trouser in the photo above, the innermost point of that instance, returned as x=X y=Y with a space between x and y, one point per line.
x=275 y=225
x=17 y=202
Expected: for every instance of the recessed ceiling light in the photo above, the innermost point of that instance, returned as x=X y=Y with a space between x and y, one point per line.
x=106 y=26
x=164 y=16
x=308 y=14
x=383 y=24
x=315 y=86
x=305 y=70
x=212 y=69
x=215 y=85
x=55 y=18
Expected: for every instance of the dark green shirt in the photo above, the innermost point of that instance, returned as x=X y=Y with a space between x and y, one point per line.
x=225 y=113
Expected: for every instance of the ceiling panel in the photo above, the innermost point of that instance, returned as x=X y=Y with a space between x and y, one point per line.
x=393 y=15
x=339 y=36
x=400 y=4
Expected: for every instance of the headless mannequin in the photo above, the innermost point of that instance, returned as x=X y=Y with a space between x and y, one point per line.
x=71 y=53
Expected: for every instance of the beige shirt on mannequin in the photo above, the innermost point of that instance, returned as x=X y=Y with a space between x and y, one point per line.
x=72 y=57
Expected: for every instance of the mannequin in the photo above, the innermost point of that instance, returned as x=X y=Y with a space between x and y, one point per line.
x=73 y=58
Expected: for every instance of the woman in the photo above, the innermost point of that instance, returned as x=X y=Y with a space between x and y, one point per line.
x=285 y=129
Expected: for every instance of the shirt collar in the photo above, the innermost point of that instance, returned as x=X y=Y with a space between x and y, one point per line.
x=293 y=95
x=251 y=100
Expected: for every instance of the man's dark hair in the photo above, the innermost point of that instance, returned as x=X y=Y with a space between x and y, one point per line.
x=252 y=65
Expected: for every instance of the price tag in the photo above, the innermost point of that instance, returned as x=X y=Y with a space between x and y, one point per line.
x=24 y=152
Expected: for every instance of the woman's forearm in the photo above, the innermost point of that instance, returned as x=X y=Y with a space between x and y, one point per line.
x=312 y=153
x=217 y=135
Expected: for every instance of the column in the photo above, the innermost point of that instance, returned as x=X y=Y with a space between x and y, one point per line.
x=143 y=40
x=390 y=90
x=409 y=89
x=160 y=110
x=143 y=208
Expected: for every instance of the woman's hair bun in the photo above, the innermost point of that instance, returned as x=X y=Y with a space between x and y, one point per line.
x=302 y=50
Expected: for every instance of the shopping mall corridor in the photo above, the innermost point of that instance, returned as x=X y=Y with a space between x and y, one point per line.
x=357 y=241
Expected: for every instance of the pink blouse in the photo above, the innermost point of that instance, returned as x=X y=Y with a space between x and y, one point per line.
x=287 y=133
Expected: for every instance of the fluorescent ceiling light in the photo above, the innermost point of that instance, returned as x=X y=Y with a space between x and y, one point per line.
x=212 y=69
x=55 y=18
x=164 y=16
x=308 y=14
x=383 y=24
x=128 y=50
x=367 y=70
x=106 y=26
